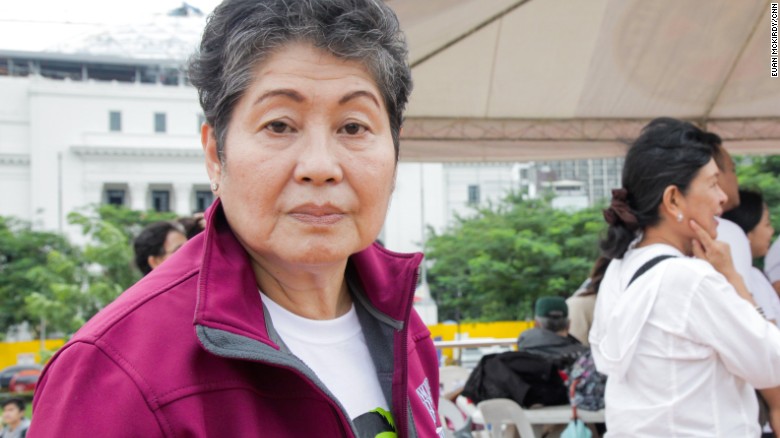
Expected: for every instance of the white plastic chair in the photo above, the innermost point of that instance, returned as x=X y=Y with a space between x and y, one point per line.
x=452 y=378
x=449 y=411
x=498 y=411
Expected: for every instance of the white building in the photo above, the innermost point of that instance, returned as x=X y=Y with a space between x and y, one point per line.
x=65 y=144
x=574 y=184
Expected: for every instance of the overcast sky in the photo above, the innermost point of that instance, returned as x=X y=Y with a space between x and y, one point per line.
x=91 y=11
x=35 y=25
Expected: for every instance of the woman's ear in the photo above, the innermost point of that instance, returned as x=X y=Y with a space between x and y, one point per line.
x=672 y=202
x=153 y=261
x=209 y=141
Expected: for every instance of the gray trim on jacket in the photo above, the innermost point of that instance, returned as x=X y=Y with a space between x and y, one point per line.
x=378 y=328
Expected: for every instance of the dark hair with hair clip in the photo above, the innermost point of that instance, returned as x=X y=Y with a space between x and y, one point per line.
x=668 y=152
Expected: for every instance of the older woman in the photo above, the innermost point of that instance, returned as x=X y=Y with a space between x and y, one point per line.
x=281 y=318
x=678 y=336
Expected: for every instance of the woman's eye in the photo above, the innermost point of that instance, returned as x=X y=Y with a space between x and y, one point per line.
x=353 y=128
x=278 y=127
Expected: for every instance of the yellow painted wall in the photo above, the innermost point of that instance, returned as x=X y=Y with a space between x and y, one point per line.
x=497 y=329
x=10 y=351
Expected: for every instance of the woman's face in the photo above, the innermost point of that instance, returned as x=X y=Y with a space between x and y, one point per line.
x=761 y=236
x=173 y=241
x=309 y=162
x=704 y=200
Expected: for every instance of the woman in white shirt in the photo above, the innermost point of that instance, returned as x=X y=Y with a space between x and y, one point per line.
x=683 y=344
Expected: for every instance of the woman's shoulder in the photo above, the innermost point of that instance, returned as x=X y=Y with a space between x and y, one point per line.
x=691 y=276
x=581 y=300
x=691 y=266
x=689 y=269
x=676 y=262
x=680 y=274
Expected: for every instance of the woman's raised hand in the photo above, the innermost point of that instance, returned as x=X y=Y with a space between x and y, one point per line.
x=717 y=253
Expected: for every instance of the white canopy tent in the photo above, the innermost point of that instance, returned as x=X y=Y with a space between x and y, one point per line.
x=516 y=80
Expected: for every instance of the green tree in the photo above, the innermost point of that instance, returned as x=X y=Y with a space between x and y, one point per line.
x=24 y=254
x=43 y=277
x=493 y=265
x=762 y=174
x=58 y=298
x=104 y=270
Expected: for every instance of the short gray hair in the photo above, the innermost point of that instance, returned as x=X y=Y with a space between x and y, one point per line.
x=240 y=34
x=556 y=324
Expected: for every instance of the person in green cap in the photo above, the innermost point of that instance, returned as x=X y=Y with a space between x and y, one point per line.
x=550 y=336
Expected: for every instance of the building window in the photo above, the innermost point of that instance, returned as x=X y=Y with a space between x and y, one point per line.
x=114 y=121
x=473 y=194
x=115 y=197
x=523 y=174
x=159 y=122
x=203 y=199
x=161 y=200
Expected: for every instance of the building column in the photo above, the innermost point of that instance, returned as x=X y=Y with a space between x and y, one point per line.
x=138 y=196
x=92 y=192
x=182 y=204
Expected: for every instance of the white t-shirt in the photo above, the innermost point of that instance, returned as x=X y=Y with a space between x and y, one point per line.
x=772 y=262
x=682 y=350
x=336 y=351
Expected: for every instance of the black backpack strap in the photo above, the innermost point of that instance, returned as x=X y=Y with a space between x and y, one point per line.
x=646 y=267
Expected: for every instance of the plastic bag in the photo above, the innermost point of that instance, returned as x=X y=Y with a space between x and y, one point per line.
x=576 y=429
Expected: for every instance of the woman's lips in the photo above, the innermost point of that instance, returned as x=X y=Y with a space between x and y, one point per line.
x=317 y=214
x=326 y=219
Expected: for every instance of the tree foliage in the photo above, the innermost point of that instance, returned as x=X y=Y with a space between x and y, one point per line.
x=762 y=174
x=44 y=277
x=24 y=255
x=493 y=265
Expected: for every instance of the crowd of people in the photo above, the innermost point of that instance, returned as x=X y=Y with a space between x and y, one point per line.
x=283 y=317
x=686 y=335
x=675 y=331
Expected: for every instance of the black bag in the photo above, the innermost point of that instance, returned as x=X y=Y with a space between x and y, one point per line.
x=526 y=378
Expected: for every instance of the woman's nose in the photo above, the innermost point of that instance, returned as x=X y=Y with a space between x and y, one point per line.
x=723 y=196
x=319 y=162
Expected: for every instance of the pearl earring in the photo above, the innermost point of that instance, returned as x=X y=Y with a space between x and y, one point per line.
x=214 y=186
x=679 y=217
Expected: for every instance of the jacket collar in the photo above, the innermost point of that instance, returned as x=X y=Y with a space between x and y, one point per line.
x=228 y=298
